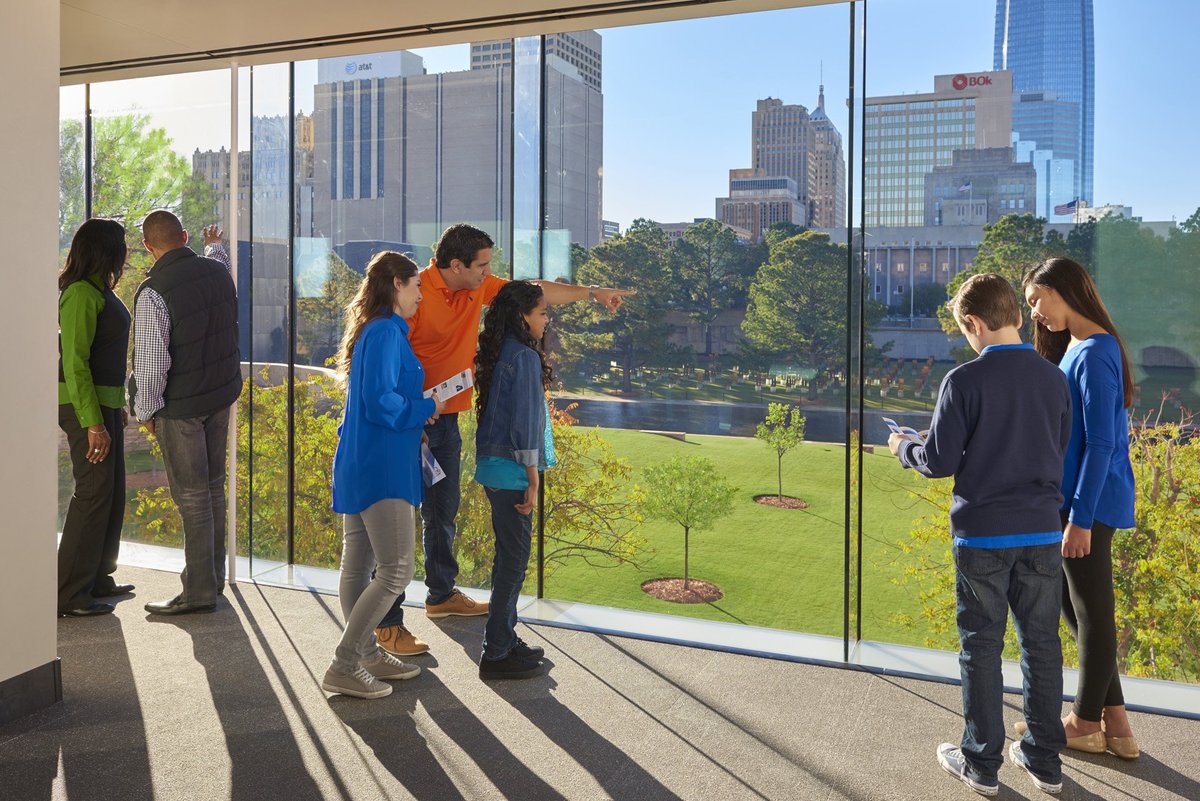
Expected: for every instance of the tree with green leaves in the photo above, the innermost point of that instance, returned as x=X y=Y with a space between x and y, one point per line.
x=709 y=266
x=797 y=311
x=134 y=172
x=689 y=492
x=782 y=430
x=321 y=311
x=638 y=334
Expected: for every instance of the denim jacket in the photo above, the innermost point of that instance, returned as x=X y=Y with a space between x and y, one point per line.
x=513 y=425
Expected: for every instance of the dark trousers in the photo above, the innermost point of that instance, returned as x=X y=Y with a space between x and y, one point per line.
x=514 y=535
x=91 y=535
x=988 y=583
x=194 y=451
x=437 y=518
x=1089 y=609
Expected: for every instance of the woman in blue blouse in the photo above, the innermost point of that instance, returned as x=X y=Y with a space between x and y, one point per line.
x=1074 y=330
x=376 y=470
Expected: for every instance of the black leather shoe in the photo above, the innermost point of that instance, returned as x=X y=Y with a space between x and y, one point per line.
x=176 y=606
x=117 y=589
x=91 y=610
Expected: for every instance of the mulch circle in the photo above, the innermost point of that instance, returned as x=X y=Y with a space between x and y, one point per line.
x=671 y=589
x=786 y=502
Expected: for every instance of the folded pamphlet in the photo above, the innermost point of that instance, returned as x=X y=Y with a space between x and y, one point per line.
x=452 y=385
x=431 y=471
x=896 y=428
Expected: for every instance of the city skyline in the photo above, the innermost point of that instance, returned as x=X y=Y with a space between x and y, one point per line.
x=680 y=182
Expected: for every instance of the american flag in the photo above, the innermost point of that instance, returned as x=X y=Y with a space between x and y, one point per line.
x=965 y=187
x=1066 y=208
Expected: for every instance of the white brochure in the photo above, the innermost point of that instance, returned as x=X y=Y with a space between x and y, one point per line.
x=453 y=385
x=431 y=471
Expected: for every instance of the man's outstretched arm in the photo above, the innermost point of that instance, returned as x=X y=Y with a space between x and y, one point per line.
x=558 y=294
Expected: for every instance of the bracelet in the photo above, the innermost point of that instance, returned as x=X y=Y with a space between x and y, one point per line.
x=592 y=291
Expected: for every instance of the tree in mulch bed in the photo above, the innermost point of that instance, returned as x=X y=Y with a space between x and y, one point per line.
x=691 y=492
x=782 y=430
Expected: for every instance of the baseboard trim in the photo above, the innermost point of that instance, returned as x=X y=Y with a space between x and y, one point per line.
x=31 y=691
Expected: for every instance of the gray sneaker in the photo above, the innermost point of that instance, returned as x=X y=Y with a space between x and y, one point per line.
x=358 y=683
x=950 y=757
x=1017 y=755
x=386 y=666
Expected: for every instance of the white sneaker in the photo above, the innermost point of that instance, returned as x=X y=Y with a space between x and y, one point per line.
x=950 y=757
x=1017 y=755
x=358 y=683
x=386 y=666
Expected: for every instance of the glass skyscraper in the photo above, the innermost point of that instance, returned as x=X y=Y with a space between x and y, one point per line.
x=1048 y=46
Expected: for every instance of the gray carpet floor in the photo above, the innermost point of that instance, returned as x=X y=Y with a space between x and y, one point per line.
x=228 y=706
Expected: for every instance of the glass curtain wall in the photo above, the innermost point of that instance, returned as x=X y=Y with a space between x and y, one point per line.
x=152 y=142
x=981 y=156
x=702 y=429
x=792 y=253
x=72 y=210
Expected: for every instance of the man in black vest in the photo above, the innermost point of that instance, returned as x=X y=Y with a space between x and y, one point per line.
x=186 y=375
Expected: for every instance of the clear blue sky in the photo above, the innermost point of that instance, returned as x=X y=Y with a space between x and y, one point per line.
x=678 y=96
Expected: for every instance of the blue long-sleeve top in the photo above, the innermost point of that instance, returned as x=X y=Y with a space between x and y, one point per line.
x=378 y=454
x=1000 y=427
x=1097 y=476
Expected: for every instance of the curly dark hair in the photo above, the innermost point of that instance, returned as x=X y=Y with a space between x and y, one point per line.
x=504 y=318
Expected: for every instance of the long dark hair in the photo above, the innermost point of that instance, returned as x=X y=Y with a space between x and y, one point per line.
x=1071 y=281
x=505 y=318
x=98 y=248
x=375 y=298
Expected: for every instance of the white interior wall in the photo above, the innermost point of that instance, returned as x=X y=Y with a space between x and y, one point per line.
x=29 y=326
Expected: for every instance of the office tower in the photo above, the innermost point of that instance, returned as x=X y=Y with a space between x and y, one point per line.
x=907 y=135
x=579 y=49
x=1048 y=47
x=978 y=187
x=400 y=154
x=757 y=201
x=828 y=204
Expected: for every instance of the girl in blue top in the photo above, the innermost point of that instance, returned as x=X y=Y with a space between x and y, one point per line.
x=376 y=470
x=512 y=447
x=1074 y=330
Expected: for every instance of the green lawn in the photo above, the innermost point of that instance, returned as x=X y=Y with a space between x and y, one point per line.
x=778 y=568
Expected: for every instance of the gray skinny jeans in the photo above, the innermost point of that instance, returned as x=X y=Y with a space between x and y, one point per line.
x=381 y=538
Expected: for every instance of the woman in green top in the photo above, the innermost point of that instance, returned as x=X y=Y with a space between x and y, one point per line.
x=93 y=353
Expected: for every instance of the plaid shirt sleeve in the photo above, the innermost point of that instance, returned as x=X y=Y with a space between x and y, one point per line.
x=152 y=356
x=217 y=251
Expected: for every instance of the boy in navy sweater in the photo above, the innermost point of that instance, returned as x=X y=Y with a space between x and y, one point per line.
x=1000 y=427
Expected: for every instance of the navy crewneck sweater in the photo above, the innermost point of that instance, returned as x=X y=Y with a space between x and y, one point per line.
x=1001 y=428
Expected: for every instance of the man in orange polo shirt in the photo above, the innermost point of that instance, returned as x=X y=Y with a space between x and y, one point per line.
x=444 y=334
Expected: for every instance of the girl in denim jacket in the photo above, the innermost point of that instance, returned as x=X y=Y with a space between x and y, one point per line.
x=512 y=446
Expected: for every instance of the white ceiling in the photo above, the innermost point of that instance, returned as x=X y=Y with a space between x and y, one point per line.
x=107 y=39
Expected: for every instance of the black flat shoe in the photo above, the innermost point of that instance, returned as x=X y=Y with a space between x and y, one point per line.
x=176 y=606
x=91 y=610
x=117 y=589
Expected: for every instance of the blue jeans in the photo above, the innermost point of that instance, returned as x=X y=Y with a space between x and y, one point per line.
x=989 y=582
x=437 y=518
x=514 y=535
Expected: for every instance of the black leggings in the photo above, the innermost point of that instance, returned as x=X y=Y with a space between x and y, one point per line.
x=1089 y=610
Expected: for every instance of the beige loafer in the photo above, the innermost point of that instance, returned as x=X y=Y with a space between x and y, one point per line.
x=1093 y=743
x=1124 y=747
